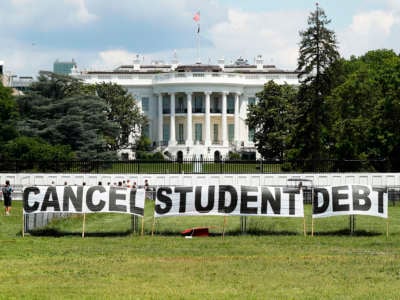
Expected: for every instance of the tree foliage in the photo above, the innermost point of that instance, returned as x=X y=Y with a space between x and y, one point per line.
x=365 y=108
x=317 y=58
x=8 y=115
x=271 y=118
x=122 y=109
x=35 y=149
x=59 y=110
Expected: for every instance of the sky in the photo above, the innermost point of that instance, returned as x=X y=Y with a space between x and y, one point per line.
x=103 y=34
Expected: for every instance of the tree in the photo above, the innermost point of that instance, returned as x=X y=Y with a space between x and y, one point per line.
x=122 y=109
x=317 y=54
x=8 y=115
x=36 y=149
x=271 y=119
x=365 y=109
x=60 y=110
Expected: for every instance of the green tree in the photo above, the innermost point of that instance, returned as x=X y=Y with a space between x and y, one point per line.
x=122 y=109
x=365 y=109
x=8 y=115
x=271 y=118
x=317 y=56
x=60 y=110
x=35 y=149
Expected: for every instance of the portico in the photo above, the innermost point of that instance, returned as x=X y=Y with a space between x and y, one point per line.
x=198 y=118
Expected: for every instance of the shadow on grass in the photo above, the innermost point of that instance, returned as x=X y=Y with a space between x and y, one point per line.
x=235 y=233
x=346 y=232
x=49 y=232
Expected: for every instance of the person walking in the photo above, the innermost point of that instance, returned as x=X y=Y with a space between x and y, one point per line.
x=7 y=190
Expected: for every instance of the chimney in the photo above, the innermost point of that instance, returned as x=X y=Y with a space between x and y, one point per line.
x=136 y=63
x=259 y=62
x=221 y=63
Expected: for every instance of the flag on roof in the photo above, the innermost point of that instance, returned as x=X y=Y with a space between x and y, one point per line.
x=196 y=17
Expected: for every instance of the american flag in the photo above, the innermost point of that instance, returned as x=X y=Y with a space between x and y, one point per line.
x=196 y=17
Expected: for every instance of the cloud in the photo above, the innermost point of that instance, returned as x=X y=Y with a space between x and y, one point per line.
x=249 y=34
x=81 y=14
x=373 y=21
x=370 y=30
x=43 y=15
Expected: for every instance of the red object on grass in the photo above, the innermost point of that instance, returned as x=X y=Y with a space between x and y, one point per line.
x=197 y=231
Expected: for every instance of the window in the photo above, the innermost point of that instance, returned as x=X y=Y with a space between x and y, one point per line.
x=251 y=134
x=165 y=132
x=166 y=104
x=198 y=134
x=231 y=132
x=215 y=133
x=180 y=108
x=231 y=104
x=145 y=104
x=252 y=100
x=198 y=104
x=181 y=139
x=146 y=131
x=215 y=108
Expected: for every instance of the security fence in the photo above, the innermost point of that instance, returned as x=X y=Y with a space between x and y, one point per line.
x=202 y=166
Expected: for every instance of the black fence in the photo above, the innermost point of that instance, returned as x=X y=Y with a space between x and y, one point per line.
x=199 y=166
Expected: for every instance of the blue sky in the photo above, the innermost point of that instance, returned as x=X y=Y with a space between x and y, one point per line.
x=102 y=34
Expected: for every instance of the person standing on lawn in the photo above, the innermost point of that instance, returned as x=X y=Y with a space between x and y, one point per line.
x=7 y=190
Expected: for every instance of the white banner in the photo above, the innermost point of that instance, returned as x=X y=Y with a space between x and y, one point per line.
x=350 y=200
x=229 y=200
x=83 y=199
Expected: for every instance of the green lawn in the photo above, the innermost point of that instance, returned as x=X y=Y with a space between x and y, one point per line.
x=275 y=261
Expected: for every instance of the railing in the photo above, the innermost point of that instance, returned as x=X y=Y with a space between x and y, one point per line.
x=192 y=166
x=181 y=110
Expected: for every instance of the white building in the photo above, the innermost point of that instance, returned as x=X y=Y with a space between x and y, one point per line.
x=195 y=111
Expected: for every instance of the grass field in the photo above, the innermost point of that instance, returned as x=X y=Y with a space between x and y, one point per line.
x=274 y=261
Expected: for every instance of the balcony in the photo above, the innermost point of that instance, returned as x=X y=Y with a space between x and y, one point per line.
x=215 y=110
x=198 y=110
x=180 y=110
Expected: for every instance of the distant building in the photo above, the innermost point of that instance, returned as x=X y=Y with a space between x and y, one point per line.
x=196 y=110
x=63 y=67
x=2 y=78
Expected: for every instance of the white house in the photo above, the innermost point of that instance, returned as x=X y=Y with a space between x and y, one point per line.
x=195 y=111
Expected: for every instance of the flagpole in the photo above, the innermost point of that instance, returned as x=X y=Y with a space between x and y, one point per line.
x=196 y=18
x=198 y=43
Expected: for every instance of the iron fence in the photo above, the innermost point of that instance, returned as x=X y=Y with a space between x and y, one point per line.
x=198 y=166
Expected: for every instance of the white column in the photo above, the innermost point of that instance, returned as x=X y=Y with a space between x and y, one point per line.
x=207 y=121
x=160 y=118
x=172 y=138
x=189 y=140
x=224 y=120
x=236 y=120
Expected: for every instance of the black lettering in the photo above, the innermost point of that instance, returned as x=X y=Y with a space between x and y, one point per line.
x=380 y=191
x=27 y=191
x=336 y=196
x=76 y=200
x=182 y=196
x=164 y=199
x=245 y=198
x=325 y=201
x=361 y=192
x=222 y=208
x=292 y=200
x=114 y=196
x=53 y=202
x=132 y=200
x=210 y=201
x=266 y=197
x=89 y=198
